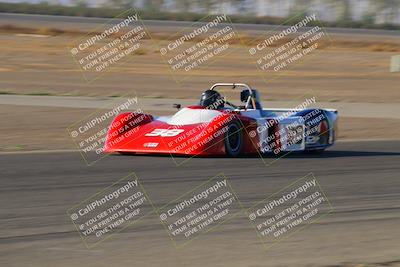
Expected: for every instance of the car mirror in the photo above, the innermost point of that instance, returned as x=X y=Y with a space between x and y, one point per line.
x=177 y=106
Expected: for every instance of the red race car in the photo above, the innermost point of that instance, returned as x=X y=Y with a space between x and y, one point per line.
x=217 y=127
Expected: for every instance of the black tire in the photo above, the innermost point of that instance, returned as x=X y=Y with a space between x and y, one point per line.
x=324 y=135
x=233 y=139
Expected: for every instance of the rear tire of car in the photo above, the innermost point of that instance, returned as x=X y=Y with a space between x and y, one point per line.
x=323 y=135
x=233 y=139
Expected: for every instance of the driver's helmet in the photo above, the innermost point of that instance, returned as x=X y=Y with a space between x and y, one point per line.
x=212 y=100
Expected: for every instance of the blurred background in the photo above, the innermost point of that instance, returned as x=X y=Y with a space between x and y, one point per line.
x=347 y=13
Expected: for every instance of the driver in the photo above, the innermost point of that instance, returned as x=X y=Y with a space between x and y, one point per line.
x=212 y=100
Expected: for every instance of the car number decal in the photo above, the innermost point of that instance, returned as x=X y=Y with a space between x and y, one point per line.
x=165 y=132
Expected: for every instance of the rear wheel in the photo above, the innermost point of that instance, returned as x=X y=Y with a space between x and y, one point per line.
x=322 y=135
x=233 y=139
x=324 y=132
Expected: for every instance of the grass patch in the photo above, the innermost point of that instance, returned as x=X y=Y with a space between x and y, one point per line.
x=39 y=93
x=28 y=93
x=7 y=93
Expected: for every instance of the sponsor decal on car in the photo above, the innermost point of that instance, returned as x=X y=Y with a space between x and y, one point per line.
x=151 y=145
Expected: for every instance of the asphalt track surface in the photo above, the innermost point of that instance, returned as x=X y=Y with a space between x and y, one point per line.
x=361 y=179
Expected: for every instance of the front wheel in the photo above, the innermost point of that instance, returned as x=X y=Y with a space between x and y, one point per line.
x=233 y=139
